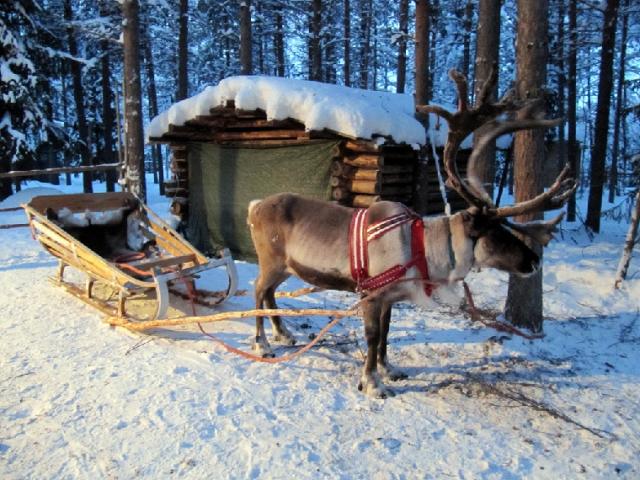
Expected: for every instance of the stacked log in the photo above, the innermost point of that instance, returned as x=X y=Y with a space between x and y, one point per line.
x=365 y=172
x=177 y=188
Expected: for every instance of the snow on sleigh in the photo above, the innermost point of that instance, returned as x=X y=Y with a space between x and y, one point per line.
x=117 y=242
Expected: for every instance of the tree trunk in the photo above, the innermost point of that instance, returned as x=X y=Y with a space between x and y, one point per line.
x=401 y=76
x=422 y=52
x=629 y=243
x=108 y=122
x=562 y=82
x=422 y=95
x=246 y=66
x=278 y=41
x=605 y=87
x=466 y=43
x=134 y=142
x=315 y=51
x=347 y=43
x=78 y=95
x=183 y=52
x=524 y=299
x=153 y=106
x=365 y=41
x=487 y=51
x=572 y=99
x=613 y=177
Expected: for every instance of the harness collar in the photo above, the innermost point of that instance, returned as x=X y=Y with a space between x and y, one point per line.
x=361 y=233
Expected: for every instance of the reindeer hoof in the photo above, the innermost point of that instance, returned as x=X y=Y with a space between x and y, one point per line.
x=284 y=340
x=373 y=387
x=262 y=349
x=392 y=374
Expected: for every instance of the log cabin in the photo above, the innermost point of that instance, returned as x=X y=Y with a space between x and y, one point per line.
x=249 y=137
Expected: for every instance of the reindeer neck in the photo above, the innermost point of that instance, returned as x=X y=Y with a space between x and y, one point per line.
x=449 y=250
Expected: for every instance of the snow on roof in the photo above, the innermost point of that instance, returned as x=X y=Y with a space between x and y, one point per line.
x=351 y=112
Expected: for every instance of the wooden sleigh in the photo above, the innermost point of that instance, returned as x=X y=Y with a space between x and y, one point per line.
x=117 y=241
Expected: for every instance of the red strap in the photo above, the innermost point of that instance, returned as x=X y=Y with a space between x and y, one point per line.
x=419 y=254
x=359 y=235
x=358 y=245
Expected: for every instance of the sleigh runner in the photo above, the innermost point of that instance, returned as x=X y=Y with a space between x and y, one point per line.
x=117 y=241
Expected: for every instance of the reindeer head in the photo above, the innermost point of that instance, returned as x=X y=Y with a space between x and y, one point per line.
x=498 y=242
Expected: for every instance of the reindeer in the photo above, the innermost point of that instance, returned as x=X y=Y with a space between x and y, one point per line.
x=390 y=254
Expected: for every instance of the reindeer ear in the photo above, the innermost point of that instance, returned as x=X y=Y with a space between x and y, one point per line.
x=540 y=232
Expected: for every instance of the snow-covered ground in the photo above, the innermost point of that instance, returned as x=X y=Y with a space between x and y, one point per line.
x=80 y=399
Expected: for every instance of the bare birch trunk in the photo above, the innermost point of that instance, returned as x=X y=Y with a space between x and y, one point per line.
x=134 y=141
x=629 y=243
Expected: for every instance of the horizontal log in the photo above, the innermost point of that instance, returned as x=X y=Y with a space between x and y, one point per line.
x=262 y=134
x=13 y=225
x=365 y=161
x=375 y=187
x=253 y=143
x=340 y=194
x=53 y=171
x=367 y=174
x=364 y=186
x=339 y=168
x=397 y=179
x=396 y=169
x=364 y=201
x=361 y=146
x=400 y=190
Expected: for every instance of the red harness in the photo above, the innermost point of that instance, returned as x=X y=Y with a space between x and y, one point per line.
x=360 y=234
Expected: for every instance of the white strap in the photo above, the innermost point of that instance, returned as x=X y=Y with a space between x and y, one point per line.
x=443 y=191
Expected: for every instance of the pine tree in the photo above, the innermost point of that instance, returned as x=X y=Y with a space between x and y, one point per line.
x=22 y=118
x=524 y=298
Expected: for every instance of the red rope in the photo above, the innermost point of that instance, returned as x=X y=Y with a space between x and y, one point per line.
x=499 y=326
x=121 y=262
x=257 y=358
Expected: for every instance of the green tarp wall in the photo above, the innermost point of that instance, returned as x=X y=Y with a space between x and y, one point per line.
x=223 y=180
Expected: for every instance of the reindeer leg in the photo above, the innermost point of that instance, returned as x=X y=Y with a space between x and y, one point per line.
x=281 y=332
x=261 y=344
x=370 y=382
x=387 y=371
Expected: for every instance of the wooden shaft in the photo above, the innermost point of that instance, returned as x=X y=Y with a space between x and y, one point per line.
x=220 y=317
x=49 y=171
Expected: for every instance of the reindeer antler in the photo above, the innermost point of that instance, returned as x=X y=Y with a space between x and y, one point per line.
x=466 y=120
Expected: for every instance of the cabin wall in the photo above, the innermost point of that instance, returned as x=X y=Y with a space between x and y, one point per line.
x=223 y=180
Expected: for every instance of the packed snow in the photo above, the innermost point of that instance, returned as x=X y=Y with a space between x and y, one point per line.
x=81 y=399
x=351 y=112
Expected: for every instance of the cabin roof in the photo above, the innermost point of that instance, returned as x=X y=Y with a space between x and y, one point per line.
x=313 y=106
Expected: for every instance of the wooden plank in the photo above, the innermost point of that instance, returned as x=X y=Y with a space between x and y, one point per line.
x=81 y=202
